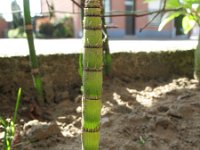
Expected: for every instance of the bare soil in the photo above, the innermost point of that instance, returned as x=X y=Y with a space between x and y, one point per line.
x=137 y=114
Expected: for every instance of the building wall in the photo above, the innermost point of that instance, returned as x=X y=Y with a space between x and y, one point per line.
x=3 y=27
x=65 y=8
x=151 y=30
x=120 y=31
x=117 y=21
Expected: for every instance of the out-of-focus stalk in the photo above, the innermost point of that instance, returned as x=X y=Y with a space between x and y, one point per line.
x=32 y=54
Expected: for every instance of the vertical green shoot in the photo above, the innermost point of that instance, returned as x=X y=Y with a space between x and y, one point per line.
x=92 y=75
x=32 y=54
x=17 y=104
x=107 y=59
x=81 y=55
x=197 y=60
x=9 y=125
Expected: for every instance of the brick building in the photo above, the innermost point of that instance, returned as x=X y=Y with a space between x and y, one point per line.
x=126 y=25
x=3 y=27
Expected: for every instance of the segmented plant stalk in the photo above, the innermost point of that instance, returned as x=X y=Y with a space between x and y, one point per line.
x=32 y=54
x=107 y=59
x=197 y=60
x=81 y=54
x=82 y=11
x=92 y=75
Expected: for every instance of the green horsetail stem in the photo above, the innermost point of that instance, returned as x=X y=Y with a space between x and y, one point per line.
x=107 y=59
x=32 y=54
x=81 y=54
x=197 y=60
x=82 y=12
x=92 y=75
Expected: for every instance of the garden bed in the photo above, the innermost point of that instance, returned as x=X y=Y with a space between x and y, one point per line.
x=150 y=101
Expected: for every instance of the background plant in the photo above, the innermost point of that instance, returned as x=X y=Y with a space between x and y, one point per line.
x=190 y=10
x=17 y=33
x=17 y=29
x=9 y=125
x=32 y=54
x=17 y=16
x=107 y=59
x=62 y=28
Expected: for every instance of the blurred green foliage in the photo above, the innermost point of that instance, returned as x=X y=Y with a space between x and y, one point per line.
x=63 y=28
x=17 y=33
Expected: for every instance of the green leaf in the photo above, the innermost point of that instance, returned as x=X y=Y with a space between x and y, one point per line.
x=147 y=1
x=167 y=18
x=191 y=1
x=17 y=104
x=80 y=70
x=188 y=23
x=172 y=4
x=2 y=122
x=12 y=128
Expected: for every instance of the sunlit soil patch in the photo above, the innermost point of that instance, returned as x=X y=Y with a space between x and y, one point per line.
x=136 y=115
x=150 y=95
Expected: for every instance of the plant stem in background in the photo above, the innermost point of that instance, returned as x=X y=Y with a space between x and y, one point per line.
x=92 y=75
x=81 y=54
x=197 y=60
x=107 y=59
x=82 y=12
x=17 y=104
x=32 y=54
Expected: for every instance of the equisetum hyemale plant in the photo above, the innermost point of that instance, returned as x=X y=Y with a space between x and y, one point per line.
x=32 y=54
x=107 y=59
x=9 y=125
x=92 y=74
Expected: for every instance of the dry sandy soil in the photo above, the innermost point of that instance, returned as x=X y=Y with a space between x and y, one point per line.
x=136 y=114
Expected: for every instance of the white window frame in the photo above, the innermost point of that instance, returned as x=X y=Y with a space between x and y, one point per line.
x=154 y=6
x=107 y=9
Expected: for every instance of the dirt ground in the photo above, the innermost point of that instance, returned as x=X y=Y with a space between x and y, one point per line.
x=151 y=114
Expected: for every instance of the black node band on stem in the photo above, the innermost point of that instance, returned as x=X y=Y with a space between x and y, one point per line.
x=93 y=69
x=91 y=98
x=97 y=129
x=92 y=28
x=92 y=15
x=92 y=46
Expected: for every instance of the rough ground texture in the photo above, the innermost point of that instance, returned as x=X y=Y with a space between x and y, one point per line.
x=150 y=102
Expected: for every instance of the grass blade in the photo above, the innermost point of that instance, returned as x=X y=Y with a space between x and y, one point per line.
x=2 y=122
x=17 y=104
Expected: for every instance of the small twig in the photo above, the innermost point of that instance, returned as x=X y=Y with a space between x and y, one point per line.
x=49 y=6
x=25 y=143
x=77 y=4
x=148 y=23
x=136 y=14
x=51 y=9
x=164 y=5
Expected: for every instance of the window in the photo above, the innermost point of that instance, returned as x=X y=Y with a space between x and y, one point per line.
x=35 y=6
x=107 y=9
x=153 y=6
x=129 y=2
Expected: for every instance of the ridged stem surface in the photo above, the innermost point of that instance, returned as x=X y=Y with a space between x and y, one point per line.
x=32 y=54
x=197 y=60
x=92 y=75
